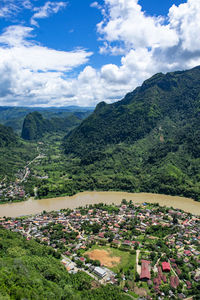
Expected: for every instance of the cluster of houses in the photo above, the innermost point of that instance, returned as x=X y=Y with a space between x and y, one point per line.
x=11 y=191
x=161 y=276
x=125 y=227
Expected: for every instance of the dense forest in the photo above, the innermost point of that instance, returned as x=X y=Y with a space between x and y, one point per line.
x=7 y=136
x=14 y=153
x=35 y=126
x=14 y=158
x=29 y=270
x=14 y=116
x=149 y=141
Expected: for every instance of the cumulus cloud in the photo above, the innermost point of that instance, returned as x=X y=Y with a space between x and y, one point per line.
x=33 y=74
x=147 y=44
x=125 y=21
x=46 y=10
x=29 y=70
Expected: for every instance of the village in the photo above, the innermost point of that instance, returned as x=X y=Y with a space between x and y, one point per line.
x=14 y=190
x=149 y=251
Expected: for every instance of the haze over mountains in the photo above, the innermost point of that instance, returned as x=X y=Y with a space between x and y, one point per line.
x=35 y=126
x=14 y=116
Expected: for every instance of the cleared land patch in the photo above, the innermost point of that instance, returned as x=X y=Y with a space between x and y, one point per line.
x=104 y=256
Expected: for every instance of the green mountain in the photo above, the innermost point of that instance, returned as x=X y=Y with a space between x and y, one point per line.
x=14 y=153
x=7 y=136
x=149 y=141
x=35 y=126
x=14 y=116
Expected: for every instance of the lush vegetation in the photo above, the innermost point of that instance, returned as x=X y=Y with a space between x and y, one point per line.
x=7 y=137
x=35 y=126
x=123 y=167
x=29 y=270
x=14 y=116
x=14 y=153
x=14 y=158
x=149 y=141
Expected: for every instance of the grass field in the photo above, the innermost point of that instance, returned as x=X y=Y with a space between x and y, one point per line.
x=125 y=262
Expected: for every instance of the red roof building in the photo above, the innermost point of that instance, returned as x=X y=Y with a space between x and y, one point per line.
x=101 y=234
x=187 y=252
x=166 y=266
x=145 y=270
x=174 y=281
x=82 y=259
x=189 y=285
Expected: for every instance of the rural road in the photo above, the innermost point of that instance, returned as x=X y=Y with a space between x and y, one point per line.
x=138 y=268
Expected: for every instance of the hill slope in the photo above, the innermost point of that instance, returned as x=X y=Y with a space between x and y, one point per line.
x=7 y=136
x=149 y=141
x=14 y=153
x=32 y=271
x=35 y=126
x=174 y=95
x=14 y=116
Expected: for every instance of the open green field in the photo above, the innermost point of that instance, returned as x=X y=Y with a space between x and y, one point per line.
x=127 y=260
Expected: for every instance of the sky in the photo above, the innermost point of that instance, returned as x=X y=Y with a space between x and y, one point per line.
x=81 y=52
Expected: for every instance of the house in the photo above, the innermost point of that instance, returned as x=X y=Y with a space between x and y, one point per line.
x=100 y=272
x=101 y=235
x=187 y=252
x=189 y=285
x=145 y=270
x=174 y=281
x=82 y=259
x=166 y=266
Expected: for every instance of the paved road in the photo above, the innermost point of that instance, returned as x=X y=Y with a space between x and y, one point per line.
x=138 y=268
x=81 y=269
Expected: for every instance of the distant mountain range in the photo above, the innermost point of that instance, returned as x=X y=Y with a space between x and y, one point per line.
x=35 y=126
x=151 y=138
x=147 y=142
x=14 y=116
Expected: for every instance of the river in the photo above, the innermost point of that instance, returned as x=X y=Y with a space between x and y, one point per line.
x=32 y=206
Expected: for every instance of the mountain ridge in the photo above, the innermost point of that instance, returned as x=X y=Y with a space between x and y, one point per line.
x=148 y=142
x=142 y=108
x=35 y=125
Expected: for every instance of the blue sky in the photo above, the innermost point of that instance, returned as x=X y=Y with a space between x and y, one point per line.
x=81 y=52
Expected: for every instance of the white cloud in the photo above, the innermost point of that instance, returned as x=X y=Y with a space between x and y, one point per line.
x=147 y=45
x=35 y=75
x=46 y=10
x=7 y=10
x=185 y=19
x=126 y=22
x=31 y=71
x=10 y=8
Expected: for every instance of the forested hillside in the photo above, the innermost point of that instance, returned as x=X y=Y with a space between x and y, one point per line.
x=7 y=136
x=35 y=126
x=14 y=153
x=33 y=271
x=149 y=141
x=14 y=116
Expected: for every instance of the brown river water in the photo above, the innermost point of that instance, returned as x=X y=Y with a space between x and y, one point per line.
x=32 y=206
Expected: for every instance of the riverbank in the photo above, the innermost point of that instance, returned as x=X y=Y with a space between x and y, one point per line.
x=32 y=206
